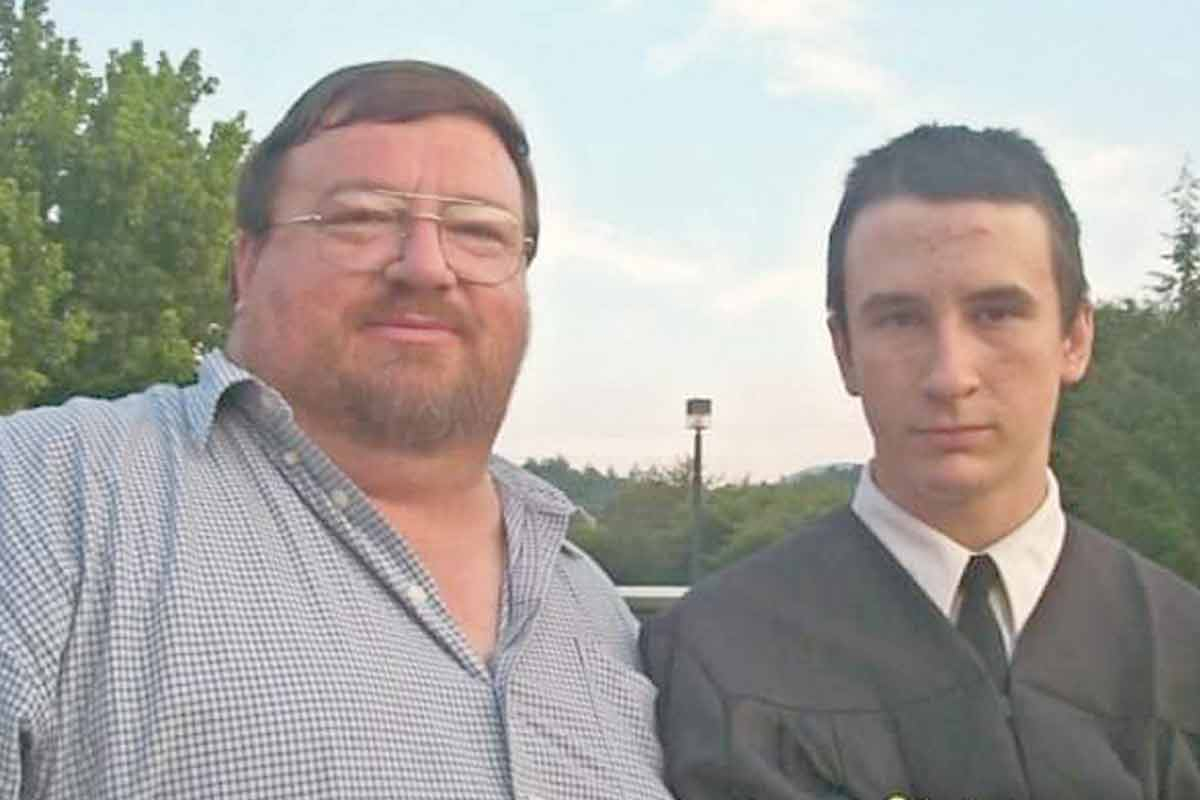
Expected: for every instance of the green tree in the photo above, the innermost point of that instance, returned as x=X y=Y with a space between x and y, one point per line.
x=590 y=488
x=38 y=335
x=133 y=202
x=43 y=96
x=1178 y=289
x=643 y=535
x=1127 y=446
x=753 y=516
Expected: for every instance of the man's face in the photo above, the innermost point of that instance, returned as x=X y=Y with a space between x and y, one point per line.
x=405 y=356
x=954 y=341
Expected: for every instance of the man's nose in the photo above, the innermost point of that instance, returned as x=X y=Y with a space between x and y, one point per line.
x=422 y=261
x=951 y=371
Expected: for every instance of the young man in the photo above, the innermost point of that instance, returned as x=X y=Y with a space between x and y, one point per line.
x=952 y=634
x=306 y=575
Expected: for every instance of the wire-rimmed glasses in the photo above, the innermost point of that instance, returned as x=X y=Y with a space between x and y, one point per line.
x=366 y=229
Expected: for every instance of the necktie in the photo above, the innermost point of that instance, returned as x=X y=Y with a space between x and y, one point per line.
x=977 y=623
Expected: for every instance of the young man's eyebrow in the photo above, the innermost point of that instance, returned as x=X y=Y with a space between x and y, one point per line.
x=886 y=301
x=1009 y=294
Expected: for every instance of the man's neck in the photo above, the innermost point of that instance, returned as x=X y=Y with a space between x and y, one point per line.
x=445 y=506
x=976 y=523
x=973 y=519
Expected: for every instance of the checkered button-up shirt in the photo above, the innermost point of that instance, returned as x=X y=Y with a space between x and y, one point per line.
x=196 y=602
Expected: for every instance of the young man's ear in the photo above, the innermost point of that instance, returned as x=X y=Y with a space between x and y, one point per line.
x=1077 y=345
x=841 y=348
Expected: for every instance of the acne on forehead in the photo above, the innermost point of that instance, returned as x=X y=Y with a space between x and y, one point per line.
x=920 y=247
x=945 y=234
x=933 y=224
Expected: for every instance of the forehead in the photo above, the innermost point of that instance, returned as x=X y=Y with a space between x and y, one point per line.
x=441 y=154
x=911 y=244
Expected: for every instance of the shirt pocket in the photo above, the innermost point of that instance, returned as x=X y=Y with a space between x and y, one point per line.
x=622 y=700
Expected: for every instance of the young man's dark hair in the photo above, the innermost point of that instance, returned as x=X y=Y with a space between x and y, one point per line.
x=954 y=162
x=382 y=91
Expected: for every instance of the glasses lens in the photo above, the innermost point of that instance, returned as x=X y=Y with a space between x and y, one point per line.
x=365 y=230
x=361 y=230
x=483 y=243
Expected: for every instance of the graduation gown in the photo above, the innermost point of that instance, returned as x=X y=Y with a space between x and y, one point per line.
x=819 y=668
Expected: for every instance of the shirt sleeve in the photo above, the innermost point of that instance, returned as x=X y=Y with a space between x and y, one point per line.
x=39 y=568
x=19 y=700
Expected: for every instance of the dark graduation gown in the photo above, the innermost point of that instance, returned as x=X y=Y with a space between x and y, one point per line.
x=819 y=668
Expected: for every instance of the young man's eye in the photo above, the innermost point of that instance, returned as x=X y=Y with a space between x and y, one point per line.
x=898 y=319
x=995 y=314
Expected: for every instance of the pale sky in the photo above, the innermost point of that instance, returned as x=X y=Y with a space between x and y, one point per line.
x=690 y=156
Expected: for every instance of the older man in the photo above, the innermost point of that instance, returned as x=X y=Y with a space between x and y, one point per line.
x=306 y=575
x=952 y=634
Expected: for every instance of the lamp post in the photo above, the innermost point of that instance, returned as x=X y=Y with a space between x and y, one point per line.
x=699 y=417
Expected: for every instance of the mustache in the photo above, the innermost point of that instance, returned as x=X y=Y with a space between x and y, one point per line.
x=439 y=311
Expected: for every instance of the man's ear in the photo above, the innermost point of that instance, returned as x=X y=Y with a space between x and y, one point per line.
x=244 y=251
x=840 y=337
x=1077 y=345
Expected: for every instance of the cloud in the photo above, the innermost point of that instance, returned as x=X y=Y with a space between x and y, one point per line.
x=812 y=47
x=721 y=284
x=785 y=285
x=607 y=248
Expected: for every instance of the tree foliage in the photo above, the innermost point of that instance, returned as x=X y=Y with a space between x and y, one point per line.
x=1127 y=449
x=115 y=215
x=1178 y=288
x=644 y=533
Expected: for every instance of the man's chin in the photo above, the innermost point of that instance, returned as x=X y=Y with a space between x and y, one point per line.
x=406 y=413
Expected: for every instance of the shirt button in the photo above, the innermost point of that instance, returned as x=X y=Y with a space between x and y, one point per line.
x=416 y=594
x=339 y=498
x=291 y=457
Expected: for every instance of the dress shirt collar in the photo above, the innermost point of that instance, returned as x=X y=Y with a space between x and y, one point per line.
x=1025 y=557
x=217 y=375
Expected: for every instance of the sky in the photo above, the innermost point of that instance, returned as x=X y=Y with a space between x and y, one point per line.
x=690 y=156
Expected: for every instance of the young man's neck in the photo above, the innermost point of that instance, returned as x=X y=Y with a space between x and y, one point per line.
x=974 y=520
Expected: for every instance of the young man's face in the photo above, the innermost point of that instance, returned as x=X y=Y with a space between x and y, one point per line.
x=953 y=338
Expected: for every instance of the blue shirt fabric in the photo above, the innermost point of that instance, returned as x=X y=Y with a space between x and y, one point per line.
x=196 y=602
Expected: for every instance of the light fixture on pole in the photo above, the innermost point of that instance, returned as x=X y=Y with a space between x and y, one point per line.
x=699 y=418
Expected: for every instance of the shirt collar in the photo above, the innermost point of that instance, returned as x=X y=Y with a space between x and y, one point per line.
x=1025 y=557
x=217 y=375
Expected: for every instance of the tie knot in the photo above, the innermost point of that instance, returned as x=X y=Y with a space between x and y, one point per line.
x=979 y=576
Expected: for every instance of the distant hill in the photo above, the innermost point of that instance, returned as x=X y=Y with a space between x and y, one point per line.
x=842 y=469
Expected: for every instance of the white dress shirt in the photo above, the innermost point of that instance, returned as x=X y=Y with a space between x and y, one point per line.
x=1025 y=558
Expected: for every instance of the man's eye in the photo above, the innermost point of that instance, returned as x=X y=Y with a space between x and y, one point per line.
x=898 y=319
x=477 y=230
x=994 y=315
x=364 y=216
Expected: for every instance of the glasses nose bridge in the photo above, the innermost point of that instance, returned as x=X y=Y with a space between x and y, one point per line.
x=438 y=220
x=406 y=227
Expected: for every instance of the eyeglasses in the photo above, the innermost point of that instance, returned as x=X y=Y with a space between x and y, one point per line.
x=366 y=229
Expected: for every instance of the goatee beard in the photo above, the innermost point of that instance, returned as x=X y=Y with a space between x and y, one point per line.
x=421 y=419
